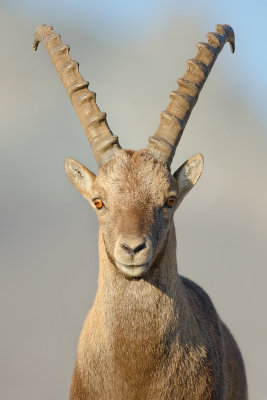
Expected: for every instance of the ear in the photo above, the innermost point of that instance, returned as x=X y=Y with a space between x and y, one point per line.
x=80 y=176
x=188 y=174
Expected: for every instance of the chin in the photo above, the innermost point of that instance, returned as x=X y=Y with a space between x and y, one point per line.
x=133 y=271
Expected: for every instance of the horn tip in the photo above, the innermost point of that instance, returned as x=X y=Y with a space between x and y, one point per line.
x=35 y=44
x=38 y=35
x=229 y=32
x=232 y=45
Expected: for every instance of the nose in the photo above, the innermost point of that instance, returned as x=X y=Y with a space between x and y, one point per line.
x=133 y=247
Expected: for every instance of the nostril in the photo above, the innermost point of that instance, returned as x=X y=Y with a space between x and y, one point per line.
x=140 y=247
x=126 y=248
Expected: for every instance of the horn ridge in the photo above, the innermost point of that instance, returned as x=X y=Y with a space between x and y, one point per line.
x=92 y=119
x=183 y=100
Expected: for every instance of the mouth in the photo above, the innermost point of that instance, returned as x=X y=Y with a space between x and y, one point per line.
x=133 y=270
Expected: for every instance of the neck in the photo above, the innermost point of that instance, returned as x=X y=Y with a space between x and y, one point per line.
x=138 y=313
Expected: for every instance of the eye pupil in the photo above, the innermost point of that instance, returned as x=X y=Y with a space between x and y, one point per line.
x=170 y=202
x=98 y=203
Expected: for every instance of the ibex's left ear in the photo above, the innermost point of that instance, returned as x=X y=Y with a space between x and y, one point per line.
x=80 y=176
x=188 y=174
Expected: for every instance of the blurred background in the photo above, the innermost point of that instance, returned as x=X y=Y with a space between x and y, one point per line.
x=132 y=53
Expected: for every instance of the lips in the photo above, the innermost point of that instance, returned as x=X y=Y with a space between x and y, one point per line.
x=133 y=270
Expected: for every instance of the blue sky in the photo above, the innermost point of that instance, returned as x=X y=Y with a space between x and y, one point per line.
x=129 y=21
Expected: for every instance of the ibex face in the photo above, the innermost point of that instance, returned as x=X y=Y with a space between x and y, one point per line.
x=134 y=193
x=135 y=197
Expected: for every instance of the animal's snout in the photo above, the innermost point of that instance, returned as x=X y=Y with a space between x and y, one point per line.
x=133 y=254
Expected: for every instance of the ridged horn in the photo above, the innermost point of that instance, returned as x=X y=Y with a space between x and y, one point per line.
x=172 y=121
x=93 y=121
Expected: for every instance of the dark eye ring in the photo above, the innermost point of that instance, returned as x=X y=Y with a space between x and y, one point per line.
x=98 y=203
x=170 y=202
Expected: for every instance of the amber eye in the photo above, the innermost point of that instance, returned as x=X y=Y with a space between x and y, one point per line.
x=98 y=203
x=170 y=202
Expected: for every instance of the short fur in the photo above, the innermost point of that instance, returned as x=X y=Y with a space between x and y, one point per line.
x=157 y=336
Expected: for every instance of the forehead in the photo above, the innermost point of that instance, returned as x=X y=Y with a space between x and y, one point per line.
x=135 y=172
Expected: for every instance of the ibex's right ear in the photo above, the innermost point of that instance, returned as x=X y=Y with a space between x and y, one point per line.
x=80 y=177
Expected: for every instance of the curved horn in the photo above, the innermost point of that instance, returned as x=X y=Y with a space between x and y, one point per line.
x=93 y=121
x=172 y=121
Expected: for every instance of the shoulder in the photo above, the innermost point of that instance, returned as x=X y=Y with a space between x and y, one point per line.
x=200 y=300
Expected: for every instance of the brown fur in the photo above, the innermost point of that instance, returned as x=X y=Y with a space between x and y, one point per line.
x=155 y=336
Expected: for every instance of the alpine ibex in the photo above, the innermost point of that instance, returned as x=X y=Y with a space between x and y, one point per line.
x=151 y=334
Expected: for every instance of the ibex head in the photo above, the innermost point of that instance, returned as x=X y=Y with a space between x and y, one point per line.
x=135 y=194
